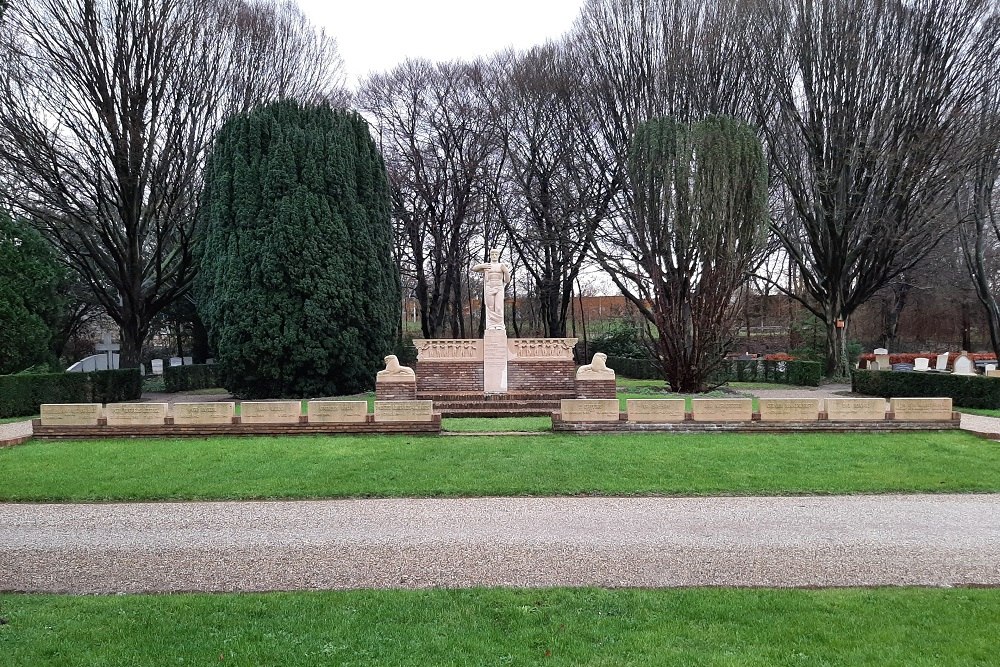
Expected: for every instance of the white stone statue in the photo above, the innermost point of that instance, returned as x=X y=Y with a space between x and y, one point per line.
x=394 y=372
x=496 y=276
x=597 y=369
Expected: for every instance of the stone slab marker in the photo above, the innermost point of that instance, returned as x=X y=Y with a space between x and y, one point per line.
x=920 y=409
x=855 y=409
x=495 y=361
x=204 y=413
x=788 y=409
x=589 y=409
x=136 y=414
x=722 y=409
x=270 y=412
x=337 y=412
x=655 y=410
x=71 y=414
x=404 y=411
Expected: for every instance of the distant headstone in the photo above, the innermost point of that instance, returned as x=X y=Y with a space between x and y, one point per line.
x=881 y=350
x=855 y=409
x=921 y=364
x=993 y=374
x=71 y=414
x=788 y=409
x=108 y=349
x=156 y=365
x=136 y=414
x=655 y=410
x=883 y=362
x=188 y=361
x=963 y=365
x=210 y=362
x=142 y=370
x=270 y=412
x=920 y=409
x=721 y=409
x=942 y=362
x=176 y=361
x=204 y=413
x=404 y=411
x=337 y=412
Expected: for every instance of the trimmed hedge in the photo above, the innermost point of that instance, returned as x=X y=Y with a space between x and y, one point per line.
x=965 y=391
x=189 y=378
x=637 y=369
x=21 y=395
x=799 y=373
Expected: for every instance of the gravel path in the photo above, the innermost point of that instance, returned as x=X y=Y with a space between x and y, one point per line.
x=254 y=546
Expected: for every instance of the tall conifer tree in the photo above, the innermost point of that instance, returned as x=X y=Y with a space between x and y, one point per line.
x=297 y=285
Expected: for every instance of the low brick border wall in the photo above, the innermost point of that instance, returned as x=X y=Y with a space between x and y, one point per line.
x=755 y=426
x=370 y=426
x=14 y=442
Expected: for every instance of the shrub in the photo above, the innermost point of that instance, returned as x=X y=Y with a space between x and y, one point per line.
x=622 y=339
x=637 y=369
x=189 y=378
x=800 y=373
x=965 y=391
x=21 y=395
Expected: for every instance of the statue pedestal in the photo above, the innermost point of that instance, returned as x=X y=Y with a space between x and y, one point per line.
x=495 y=361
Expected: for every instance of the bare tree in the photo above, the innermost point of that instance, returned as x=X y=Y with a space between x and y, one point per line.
x=106 y=110
x=867 y=142
x=556 y=194
x=432 y=130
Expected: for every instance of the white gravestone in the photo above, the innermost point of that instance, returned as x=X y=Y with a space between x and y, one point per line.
x=963 y=365
x=921 y=364
x=109 y=349
x=942 y=362
x=156 y=366
x=176 y=361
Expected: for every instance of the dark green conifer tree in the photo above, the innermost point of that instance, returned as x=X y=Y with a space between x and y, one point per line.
x=297 y=286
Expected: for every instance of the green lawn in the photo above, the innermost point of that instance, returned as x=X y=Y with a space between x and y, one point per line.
x=10 y=420
x=465 y=465
x=980 y=411
x=703 y=627
x=496 y=424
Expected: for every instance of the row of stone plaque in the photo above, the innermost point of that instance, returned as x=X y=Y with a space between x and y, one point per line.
x=251 y=412
x=667 y=410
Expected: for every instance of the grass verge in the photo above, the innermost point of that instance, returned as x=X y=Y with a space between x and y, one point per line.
x=705 y=627
x=532 y=465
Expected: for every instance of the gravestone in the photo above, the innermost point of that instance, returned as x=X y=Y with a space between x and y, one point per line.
x=589 y=409
x=70 y=414
x=963 y=365
x=136 y=414
x=176 y=361
x=920 y=409
x=880 y=350
x=655 y=410
x=157 y=366
x=404 y=411
x=921 y=364
x=941 y=364
x=109 y=349
x=337 y=412
x=993 y=374
x=883 y=362
x=721 y=409
x=788 y=409
x=855 y=409
x=270 y=412
x=204 y=413
x=188 y=361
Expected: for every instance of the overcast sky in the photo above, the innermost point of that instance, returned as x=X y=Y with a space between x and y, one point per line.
x=375 y=35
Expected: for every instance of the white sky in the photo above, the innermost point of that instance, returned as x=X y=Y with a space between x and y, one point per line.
x=375 y=35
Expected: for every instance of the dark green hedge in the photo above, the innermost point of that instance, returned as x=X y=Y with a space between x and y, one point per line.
x=637 y=369
x=189 y=378
x=965 y=391
x=20 y=395
x=799 y=373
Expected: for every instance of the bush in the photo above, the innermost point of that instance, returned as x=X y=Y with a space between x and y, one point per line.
x=965 y=391
x=637 y=369
x=622 y=339
x=189 y=378
x=799 y=373
x=21 y=395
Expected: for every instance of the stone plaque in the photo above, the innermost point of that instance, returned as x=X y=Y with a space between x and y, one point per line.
x=920 y=409
x=855 y=409
x=157 y=366
x=70 y=414
x=270 y=412
x=589 y=409
x=404 y=411
x=722 y=409
x=995 y=373
x=136 y=414
x=204 y=413
x=495 y=361
x=337 y=412
x=788 y=409
x=655 y=410
x=450 y=349
x=542 y=349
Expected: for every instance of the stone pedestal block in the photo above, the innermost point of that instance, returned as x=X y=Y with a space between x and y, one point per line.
x=395 y=391
x=596 y=388
x=495 y=361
